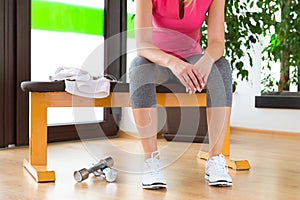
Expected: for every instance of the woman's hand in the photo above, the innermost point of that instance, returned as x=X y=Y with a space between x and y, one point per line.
x=188 y=75
x=204 y=66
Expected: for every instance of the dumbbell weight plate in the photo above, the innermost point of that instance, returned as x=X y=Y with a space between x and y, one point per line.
x=110 y=174
x=81 y=175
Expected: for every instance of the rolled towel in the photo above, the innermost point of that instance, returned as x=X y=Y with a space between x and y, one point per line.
x=80 y=82
x=98 y=88
x=70 y=73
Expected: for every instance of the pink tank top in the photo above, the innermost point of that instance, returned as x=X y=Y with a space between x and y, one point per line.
x=179 y=37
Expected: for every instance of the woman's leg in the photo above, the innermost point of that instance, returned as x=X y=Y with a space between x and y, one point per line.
x=146 y=122
x=219 y=100
x=217 y=122
x=144 y=76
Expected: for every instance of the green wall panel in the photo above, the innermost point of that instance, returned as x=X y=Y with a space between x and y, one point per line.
x=61 y=17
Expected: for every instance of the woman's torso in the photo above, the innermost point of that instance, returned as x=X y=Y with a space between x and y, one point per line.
x=179 y=37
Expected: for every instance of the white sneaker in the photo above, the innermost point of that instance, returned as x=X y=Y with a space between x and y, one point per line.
x=153 y=177
x=217 y=172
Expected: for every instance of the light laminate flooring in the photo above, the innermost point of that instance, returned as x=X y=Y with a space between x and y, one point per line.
x=275 y=172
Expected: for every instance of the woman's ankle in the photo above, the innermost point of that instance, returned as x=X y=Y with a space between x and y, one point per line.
x=152 y=154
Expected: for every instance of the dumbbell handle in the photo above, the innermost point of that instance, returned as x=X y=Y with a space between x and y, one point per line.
x=84 y=173
x=100 y=165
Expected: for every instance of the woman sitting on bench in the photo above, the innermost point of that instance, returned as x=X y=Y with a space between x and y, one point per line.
x=168 y=38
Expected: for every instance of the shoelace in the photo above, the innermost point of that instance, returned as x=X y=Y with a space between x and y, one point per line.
x=154 y=163
x=220 y=164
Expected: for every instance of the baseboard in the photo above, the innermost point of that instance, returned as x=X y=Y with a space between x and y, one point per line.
x=127 y=135
x=262 y=131
x=185 y=138
x=132 y=135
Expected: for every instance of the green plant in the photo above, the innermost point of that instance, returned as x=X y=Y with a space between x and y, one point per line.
x=284 y=41
x=242 y=32
x=244 y=29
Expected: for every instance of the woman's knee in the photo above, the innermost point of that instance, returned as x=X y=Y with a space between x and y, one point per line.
x=139 y=60
x=223 y=66
x=220 y=84
x=224 y=70
x=142 y=83
x=139 y=68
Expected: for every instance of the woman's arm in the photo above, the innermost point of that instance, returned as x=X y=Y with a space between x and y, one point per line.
x=143 y=24
x=215 y=34
x=215 y=29
x=184 y=71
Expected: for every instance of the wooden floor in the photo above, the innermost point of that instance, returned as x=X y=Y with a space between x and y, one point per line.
x=275 y=173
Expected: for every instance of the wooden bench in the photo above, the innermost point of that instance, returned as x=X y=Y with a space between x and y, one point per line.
x=52 y=94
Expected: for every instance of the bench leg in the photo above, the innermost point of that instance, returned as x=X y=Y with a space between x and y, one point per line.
x=36 y=165
x=233 y=164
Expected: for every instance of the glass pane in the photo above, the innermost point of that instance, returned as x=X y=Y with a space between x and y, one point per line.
x=67 y=33
x=131 y=51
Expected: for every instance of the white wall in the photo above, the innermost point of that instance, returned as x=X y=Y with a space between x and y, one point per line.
x=244 y=113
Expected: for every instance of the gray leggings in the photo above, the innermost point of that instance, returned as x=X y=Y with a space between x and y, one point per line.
x=145 y=75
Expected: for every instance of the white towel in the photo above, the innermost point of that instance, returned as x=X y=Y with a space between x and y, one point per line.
x=81 y=83
x=98 y=88
x=70 y=73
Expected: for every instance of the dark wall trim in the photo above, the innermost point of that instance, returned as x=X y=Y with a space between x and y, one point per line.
x=2 y=63
x=123 y=29
x=23 y=72
x=115 y=25
x=83 y=131
x=15 y=67
x=8 y=72
x=278 y=101
x=10 y=69
x=115 y=39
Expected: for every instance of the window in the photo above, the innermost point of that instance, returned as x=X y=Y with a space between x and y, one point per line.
x=64 y=34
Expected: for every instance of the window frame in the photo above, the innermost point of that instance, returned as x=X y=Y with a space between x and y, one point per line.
x=15 y=40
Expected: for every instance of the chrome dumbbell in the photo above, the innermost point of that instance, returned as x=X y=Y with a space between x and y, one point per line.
x=102 y=168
